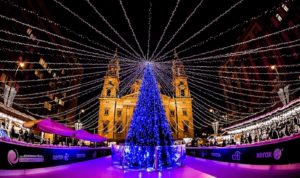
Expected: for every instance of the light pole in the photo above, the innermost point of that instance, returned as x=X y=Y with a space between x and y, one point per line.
x=215 y=124
x=8 y=100
x=21 y=64
x=273 y=67
x=78 y=124
x=283 y=91
x=226 y=119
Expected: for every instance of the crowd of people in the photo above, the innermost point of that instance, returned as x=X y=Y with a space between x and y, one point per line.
x=275 y=130
x=29 y=136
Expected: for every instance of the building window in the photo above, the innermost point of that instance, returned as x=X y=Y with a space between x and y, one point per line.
x=279 y=18
x=61 y=102
x=105 y=126
x=47 y=105
x=108 y=92
x=172 y=113
x=182 y=92
x=184 y=112
x=43 y=63
x=106 y=112
x=173 y=128
x=119 y=113
x=119 y=127
x=185 y=126
x=285 y=7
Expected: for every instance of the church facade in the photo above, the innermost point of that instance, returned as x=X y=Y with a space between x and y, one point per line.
x=115 y=112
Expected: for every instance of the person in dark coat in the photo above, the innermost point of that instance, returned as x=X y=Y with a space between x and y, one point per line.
x=274 y=133
x=12 y=132
x=26 y=135
x=249 y=138
x=20 y=135
x=31 y=137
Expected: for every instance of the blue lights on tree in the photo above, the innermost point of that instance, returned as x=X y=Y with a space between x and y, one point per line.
x=149 y=133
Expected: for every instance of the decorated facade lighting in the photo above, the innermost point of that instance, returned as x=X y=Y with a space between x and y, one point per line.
x=276 y=115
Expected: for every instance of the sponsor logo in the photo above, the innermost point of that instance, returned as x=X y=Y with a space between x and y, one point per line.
x=236 y=156
x=80 y=155
x=266 y=154
x=31 y=159
x=12 y=157
x=218 y=155
x=277 y=154
x=66 y=157
x=57 y=157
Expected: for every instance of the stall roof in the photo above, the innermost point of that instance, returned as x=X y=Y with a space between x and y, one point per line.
x=50 y=126
x=84 y=135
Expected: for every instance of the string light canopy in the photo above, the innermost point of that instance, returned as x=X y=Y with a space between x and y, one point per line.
x=226 y=89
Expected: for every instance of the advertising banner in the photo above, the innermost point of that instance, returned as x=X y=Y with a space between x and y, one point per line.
x=14 y=156
x=282 y=152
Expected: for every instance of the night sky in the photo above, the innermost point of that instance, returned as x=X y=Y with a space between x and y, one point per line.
x=138 y=13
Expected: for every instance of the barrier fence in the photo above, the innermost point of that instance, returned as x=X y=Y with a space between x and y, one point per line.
x=275 y=152
x=19 y=156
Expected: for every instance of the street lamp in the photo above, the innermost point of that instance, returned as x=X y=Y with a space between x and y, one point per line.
x=215 y=124
x=78 y=124
x=273 y=67
x=283 y=91
x=226 y=118
x=10 y=91
x=22 y=65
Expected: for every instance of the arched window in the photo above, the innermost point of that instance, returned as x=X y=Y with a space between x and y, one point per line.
x=182 y=92
x=108 y=92
x=119 y=127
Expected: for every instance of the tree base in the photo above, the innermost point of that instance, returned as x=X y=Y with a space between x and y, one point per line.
x=148 y=158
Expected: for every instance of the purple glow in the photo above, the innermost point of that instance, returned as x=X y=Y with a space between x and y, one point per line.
x=50 y=126
x=195 y=168
x=84 y=135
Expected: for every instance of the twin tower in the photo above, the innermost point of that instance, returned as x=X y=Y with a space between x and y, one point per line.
x=115 y=112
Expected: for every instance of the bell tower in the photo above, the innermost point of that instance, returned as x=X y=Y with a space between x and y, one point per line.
x=182 y=100
x=180 y=84
x=111 y=79
x=109 y=97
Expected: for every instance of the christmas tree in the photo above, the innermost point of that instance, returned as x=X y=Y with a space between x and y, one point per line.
x=149 y=134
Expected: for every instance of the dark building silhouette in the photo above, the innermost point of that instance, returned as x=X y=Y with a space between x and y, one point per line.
x=41 y=61
x=244 y=69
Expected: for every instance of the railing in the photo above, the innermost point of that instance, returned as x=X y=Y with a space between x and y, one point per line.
x=150 y=158
x=277 y=151
x=15 y=155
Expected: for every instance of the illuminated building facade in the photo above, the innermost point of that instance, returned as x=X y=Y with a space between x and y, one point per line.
x=115 y=112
